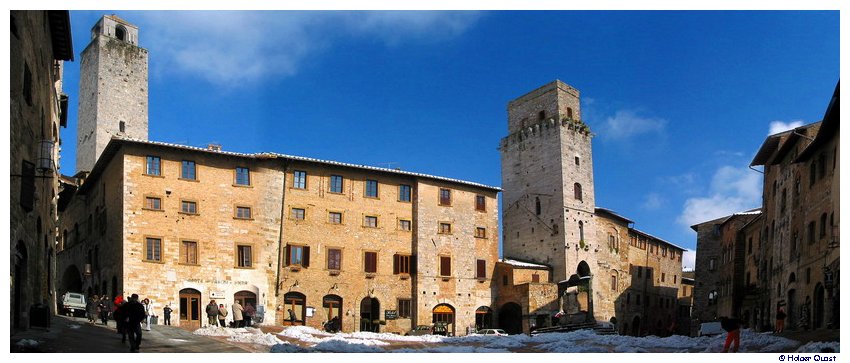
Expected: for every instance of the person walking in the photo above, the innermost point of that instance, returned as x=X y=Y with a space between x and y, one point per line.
x=91 y=308
x=166 y=313
x=104 y=309
x=247 y=314
x=222 y=314
x=237 y=314
x=120 y=318
x=135 y=313
x=212 y=313
x=148 y=313
x=732 y=326
x=780 y=320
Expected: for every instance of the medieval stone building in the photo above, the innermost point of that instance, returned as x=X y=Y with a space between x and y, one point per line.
x=303 y=240
x=615 y=272
x=786 y=256
x=40 y=43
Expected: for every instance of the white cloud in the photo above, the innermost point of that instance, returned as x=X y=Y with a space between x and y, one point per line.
x=626 y=123
x=780 y=126
x=653 y=201
x=732 y=190
x=689 y=259
x=231 y=47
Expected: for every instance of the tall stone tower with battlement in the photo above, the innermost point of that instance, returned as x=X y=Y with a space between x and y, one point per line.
x=113 y=89
x=547 y=178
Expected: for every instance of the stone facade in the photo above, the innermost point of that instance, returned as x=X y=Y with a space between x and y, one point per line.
x=109 y=223
x=113 y=89
x=550 y=218
x=788 y=256
x=39 y=43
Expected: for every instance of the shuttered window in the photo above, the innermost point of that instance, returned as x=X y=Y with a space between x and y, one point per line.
x=189 y=252
x=298 y=255
x=480 y=269
x=401 y=264
x=334 y=259
x=445 y=266
x=370 y=262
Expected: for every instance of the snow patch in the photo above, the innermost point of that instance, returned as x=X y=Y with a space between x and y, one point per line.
x=27 y=343
x=817 y=347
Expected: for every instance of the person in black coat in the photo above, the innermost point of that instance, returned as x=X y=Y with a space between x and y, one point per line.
x=134 y=311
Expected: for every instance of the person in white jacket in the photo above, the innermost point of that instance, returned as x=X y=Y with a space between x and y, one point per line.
x=237 y=314
x=148 y=311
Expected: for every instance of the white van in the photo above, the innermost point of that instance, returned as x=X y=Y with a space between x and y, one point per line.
x=72 y=304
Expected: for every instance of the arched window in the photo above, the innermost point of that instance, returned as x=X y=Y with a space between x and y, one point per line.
x=121 y=33
x=577 y=191
x=569 y=113
x=537 y=205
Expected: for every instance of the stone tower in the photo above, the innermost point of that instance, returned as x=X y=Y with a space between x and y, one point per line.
x=547 y=178
x=113 y=89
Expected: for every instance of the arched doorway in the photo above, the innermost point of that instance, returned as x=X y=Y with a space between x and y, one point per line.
x=818 y=313
x=510 y=318
x=444 y=314
x=72 y=280
x=585 y=299
x=19 y=281
x=245 y=297
x=190 y=308
x=636 y=326
x=791 y=310
x=483 y=318
x=370 y=314
x=332 y=306
x=293 y=303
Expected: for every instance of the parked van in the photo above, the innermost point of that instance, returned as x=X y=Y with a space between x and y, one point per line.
x=72 y=304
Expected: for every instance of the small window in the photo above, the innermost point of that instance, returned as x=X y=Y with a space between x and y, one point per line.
x=535 y=278
x=404 y=308
x=153 y=249
x=569 y=113
x=537 y=208
x=153 y=166
x=299 y=180
x=480 y=269
x=480 y=203
x=370 y=221
x=243 y=176
x=675 y=279
x=27 y=84
x=153 y=203
x=243 y=212
x=334 y=259
x=577 y=191
x=445 y=197
x=121 y=33
x=404 y=225
x=663 y=276
x=541 y=115
x=401 y=264
x=578 y=161
x=371 y=188
x=712 y=264
x=613 y=282
x=823 y=225
x=370 y=262
x=121 y=126
x=244 y=258
x=480 y=232
x=336 y=184
x=187 y=170
x=811 y=232
x=445 y=228
x=189 y=252
x=297 y=255
x=404 y=193
x=189 y=207
x=445 y=266
x=297 y=214
x=335 y=218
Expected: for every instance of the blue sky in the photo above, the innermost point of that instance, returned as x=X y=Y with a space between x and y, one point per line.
x=679 y=101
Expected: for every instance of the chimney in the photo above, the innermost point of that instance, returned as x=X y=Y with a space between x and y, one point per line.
x=214 y=147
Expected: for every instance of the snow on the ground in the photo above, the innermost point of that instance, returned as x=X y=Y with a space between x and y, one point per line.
x=314 y=340
x=818 y=347
x=27 y=343
x=240 y=335
x=74 y=326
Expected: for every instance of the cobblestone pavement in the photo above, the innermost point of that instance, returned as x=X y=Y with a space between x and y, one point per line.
x=76 y=335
